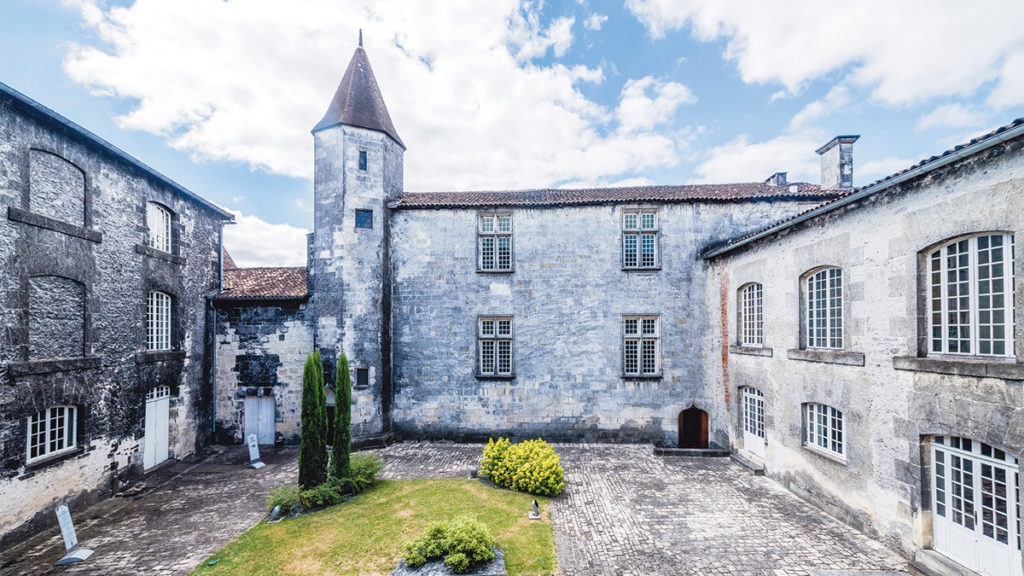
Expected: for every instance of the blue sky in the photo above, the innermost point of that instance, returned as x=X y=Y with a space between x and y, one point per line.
x=220 y=95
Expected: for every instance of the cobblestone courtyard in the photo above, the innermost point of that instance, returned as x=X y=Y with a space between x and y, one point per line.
x=624 y=512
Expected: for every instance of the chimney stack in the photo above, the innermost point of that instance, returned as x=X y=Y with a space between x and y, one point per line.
x=777 y=179
x=837 y=163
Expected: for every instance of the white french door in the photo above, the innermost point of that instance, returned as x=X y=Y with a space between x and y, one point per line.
x=260 y=413
x=158 y=408
x=976 y=511
x=753 y=421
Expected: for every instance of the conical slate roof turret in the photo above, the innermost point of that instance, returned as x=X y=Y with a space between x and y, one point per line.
x=358 y=102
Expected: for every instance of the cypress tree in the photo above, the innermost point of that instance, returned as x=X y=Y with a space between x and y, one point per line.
x=342 y=440
x=313 y=441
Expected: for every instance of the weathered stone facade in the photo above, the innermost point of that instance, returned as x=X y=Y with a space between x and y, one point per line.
x=894 y=394
x=73 y=300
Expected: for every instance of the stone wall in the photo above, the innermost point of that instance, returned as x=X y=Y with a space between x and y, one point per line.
x=567 y=296
x=73 y=286
x=893 y=398
x=261 y=349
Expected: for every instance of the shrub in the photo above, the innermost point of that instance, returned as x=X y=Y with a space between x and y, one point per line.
x=292 y=498
x=364 y=469
x=287 y=497
x=313 y=440
x=327 y=494
x=341 y=443
x=463 y=543
x=532 y=466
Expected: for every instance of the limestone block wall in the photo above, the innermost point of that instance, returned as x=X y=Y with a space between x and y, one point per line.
x=74 y=275
x=890 y=411
x=348 y=264
x=567 y=296
x=261 y=349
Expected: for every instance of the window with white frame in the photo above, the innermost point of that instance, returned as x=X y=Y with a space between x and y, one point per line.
x=753 y=411
x=970 y=298
x=824 y=290
x=751 y=315
x=158 y=220
x=639 y=239
x=494 y=347
x=158 y=321
x=494 y=240
x=641 y=346
x=52 y=431
x=825 y=429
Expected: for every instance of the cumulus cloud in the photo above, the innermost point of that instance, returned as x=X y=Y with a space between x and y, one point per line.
x=647 y=102
x=253 y=241
x=741 y=160
x=595 y=21
x=956 y=49
x=244 y=81
x=951 y=115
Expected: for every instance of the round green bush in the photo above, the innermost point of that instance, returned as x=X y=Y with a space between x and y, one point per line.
x=532 y=466
x=463 y=543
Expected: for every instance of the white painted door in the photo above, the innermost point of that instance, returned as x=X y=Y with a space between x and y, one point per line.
x=753 y=421
x=975 y=511
x=259 y=418
x=158 y=410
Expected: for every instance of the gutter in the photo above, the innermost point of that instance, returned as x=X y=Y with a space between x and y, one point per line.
x=872 y=189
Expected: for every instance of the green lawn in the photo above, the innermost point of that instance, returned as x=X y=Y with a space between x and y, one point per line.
x=366 y=534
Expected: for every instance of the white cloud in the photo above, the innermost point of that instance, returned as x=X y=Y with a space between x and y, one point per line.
x=743 y=161
x=905 y=51
x=595 y=21
x=252 y=241
x=238 y=199
x=836 y=99
x=638 y=111
x=245 y=81
x=951 y=115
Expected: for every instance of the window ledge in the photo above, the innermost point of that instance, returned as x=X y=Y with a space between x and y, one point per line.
x=52 y=459
x=481 y=271
x=824 y=454
x=159 y=356
x=827 y=356
x=751 y=350
x=55 y=365
x=33 y=219
x=490 y=377
x=154 y=253
x=1008 y=370
x=641 y=269
x=657 y=376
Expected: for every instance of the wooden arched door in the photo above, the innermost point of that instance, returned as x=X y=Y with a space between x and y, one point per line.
x=693 y=428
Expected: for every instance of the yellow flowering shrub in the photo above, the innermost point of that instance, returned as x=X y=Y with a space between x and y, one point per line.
x=532 y=466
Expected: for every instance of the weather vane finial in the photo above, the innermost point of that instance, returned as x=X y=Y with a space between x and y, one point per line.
x=360 y=37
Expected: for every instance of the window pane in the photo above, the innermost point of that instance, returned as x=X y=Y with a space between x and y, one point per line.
x=504 y=253
x=647 y=253
x=647 y=221
x=504 y=356
x=504 y=327
x=487 y=224
x=629 y=221
x=487 y=327
x=504 y=223
x=487 y=356
x=631 y=364
x=650 y=365
x=487 y=253
x=629 y=250
x=631 y=326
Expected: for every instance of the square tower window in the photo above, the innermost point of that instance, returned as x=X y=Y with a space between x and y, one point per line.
x=362 y=159
x=364 y=218
x=362 y=377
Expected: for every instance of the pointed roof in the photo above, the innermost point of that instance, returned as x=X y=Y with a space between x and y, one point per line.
x=358 y=101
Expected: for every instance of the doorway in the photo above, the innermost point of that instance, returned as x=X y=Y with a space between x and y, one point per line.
x=693 y=428
x=753 y=421
x=260 y=412
x=158 y=411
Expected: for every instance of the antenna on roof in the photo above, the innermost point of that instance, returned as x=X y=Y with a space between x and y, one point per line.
x=360 y=37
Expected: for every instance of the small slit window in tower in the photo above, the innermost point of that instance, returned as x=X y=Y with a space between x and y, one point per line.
x=364 y=218
x=362 y=159
x=362 y=377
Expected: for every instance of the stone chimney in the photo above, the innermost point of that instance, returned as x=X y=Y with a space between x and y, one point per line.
x=777 y=179
x=837 y=163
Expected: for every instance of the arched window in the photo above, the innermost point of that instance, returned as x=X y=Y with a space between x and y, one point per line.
x=51 y=432
x=824 y=308
x=158 y=321
x=751 y=315
x=158 y=220
x=970 y=296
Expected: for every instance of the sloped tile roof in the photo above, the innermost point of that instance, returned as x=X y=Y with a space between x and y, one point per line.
x=923 y=167
x=264 y=284
x=228 y=262
x=746 y=191
x=358 y=101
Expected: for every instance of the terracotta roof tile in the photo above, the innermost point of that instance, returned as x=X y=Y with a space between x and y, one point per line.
x=228 y=261
x=747 y=191
x=264 y=284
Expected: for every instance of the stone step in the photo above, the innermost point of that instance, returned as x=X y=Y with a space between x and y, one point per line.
x=749 y=461
x=932 y=563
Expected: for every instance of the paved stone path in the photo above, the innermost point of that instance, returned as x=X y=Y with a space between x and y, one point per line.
x=624 y=512
x=187 y=512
